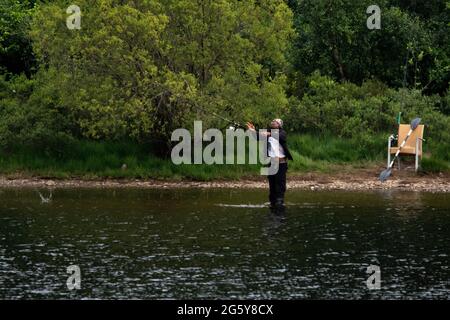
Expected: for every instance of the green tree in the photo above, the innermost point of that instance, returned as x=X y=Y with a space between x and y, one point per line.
x=409 y=50
x=31 y=117
x=16 y=53
x=144 y=68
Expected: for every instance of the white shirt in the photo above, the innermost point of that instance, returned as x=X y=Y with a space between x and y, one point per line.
x=275 y=149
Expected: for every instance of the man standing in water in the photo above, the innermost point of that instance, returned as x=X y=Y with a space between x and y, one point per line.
x=277 y=148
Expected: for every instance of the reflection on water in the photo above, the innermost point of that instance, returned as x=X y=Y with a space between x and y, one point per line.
x=223 y=244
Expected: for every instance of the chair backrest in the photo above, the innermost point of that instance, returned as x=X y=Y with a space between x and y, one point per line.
x=403 y=131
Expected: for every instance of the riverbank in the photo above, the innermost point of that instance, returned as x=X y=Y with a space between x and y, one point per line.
x=355 y=180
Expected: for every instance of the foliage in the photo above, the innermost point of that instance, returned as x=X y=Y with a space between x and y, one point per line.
x=31 y=117
x=136 y=70
x=16 y=54
x=352 y=111
x=411 y=48
x=141 y=69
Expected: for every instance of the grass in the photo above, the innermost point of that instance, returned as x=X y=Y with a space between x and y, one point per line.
x=435 y=165
x=94 y=159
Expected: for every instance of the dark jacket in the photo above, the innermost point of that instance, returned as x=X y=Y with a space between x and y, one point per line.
x=282 y=138
x=283 y=142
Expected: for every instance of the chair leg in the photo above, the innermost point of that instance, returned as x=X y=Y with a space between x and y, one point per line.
x=417 y=162
x=398 y=161
x=388 y=158
x=389 y=152
x=417 y=154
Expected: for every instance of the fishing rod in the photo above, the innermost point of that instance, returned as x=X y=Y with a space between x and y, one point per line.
x=233 y=125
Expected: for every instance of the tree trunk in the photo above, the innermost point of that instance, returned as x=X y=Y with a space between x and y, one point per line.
x=339 y=65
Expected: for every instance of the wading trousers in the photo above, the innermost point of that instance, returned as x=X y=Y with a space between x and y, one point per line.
x=277 y=185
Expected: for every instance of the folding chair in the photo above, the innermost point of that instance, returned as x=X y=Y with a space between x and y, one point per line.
x=413 y=145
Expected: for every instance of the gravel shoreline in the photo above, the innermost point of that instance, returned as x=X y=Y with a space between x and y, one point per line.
x=349 y=182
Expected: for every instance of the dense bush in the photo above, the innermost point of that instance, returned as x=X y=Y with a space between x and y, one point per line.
x=30 y=117
x=347 y=110
x=363 y=112
x=144 y=68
